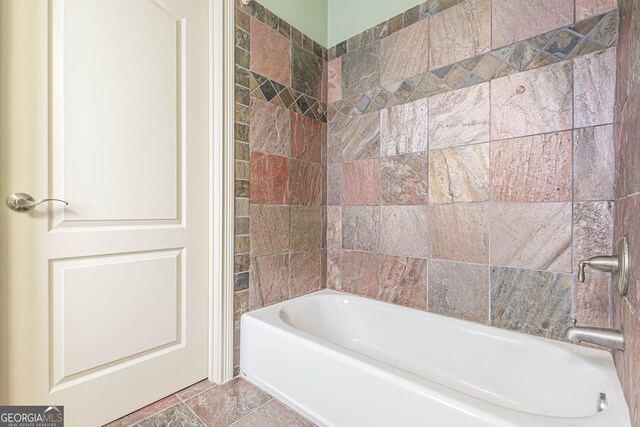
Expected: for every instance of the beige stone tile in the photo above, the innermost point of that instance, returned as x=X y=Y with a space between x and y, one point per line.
x=305 y=232
x=145 y=412
x=354 y=138
x=460 y=117
x=588 y=8
x=334 y=227
x=361 y=70
x=459 y=290
x=404 y=53
x=403 y=281
x=459 y=32
x=515 y=20
x=594 y=88
x=532 y=102
x=404 y=231
x=535 y=236
x=361 y=228
x=459 y=174
x=594 y=163
x=334 y=184
x=176 y=415
x=403 y=128
x=269 y=230
x=459 y=232
x=532 y=169
x=404 y=179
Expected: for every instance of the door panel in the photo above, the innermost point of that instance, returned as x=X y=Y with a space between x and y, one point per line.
x=117 y=94
x=107 y=297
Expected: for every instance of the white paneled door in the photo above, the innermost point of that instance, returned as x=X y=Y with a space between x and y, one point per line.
x=109 y=294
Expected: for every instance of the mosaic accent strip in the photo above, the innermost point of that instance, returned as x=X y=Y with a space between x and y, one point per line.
x=587 y=36
x=390 y=26
x=271 y=91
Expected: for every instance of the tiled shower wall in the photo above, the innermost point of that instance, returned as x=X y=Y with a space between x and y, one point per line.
x=626 y=311
x=279 y=169
x=470 y=161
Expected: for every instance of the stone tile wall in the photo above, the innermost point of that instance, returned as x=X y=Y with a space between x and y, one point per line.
x=626 y=130
x=469 y=170
x=279 y=167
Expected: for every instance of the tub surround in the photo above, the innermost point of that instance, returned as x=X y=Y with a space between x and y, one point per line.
x=626 y=130
x=481 y=156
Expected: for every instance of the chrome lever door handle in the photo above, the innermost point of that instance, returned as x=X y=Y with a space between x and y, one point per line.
x=23 y=202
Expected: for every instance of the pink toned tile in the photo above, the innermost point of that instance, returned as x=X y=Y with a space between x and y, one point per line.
x=403 y=281
x=361 y=182
x=268 y=280
x=515 y=20
x=271 y=414
x=404 y=53
x=306 y=138
x=532 y=102
x=588 y=8
x=270 y=128
x=629 y=226
x=360 y=273
x=270 y=53
x=195 y=389
x=335 y=80
x=459 y=174
x=325 y=82
x=227 y=403
x=404 y=231
x=594 y=163
x=146 y=412
x=305 y=183
x=532 y=169
x=630 y=359
x=404 y=181
x=471 y=20
x=305 y=273
x=460 y=117
x=535 y=236
x=269 y=177
x=459 y=232
x=403 y=128
x=594 y=88
x=459 y=290
x=592 y=235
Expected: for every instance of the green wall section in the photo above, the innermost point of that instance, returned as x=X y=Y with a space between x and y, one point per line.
x=308 y=16
x=347 y=18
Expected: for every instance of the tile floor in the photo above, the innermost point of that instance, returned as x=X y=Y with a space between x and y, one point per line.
x=237 y=403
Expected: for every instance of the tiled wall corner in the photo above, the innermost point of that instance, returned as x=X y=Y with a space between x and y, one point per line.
x=280 y=167
x=626 y=134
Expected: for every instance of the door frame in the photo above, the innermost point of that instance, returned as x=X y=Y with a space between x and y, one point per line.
x=221 y=190
x=16 y=108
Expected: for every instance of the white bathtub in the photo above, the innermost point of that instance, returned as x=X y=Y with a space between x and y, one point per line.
x=343 y=360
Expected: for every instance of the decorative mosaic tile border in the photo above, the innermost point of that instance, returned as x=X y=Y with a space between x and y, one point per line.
x=391 y=25
x=588 y=36
x=287 y=97
x=264 y=15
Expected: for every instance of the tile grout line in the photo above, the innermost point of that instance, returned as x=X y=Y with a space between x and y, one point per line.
x=250 y=412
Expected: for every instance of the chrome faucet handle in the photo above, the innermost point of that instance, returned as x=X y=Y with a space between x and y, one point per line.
x=23 y=202
x=616 y=264
x=608 y=264
x=574 y=322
